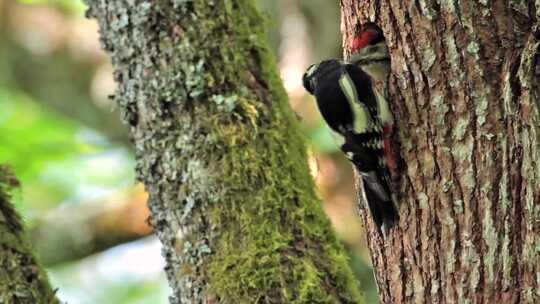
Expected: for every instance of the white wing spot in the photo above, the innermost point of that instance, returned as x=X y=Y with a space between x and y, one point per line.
x=362 y=119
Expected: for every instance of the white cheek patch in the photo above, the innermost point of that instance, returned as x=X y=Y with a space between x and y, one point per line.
x=375 y=52
x=312 y=69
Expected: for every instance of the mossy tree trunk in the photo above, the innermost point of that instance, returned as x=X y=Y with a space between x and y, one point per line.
x=465 y=90
x=22 y=280
x=219 y=151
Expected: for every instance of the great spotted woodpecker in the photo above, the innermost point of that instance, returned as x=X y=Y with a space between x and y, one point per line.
x=351 y=97
x=369 y=52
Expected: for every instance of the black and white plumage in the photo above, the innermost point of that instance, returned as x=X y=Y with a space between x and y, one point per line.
x=350 y=106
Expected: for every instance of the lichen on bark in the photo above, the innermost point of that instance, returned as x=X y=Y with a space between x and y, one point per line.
x=219 y=151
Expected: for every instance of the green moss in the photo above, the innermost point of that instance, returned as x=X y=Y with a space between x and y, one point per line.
x=278 y=238
x=22 y=280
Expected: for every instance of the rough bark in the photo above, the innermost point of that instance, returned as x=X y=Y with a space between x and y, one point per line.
x=465 y=90
x=219 y=152
x=22 y=280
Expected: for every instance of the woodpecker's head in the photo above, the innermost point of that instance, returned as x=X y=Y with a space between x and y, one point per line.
x=321 y=73
x=368 y=45
x=309 y=79
x=367 y=35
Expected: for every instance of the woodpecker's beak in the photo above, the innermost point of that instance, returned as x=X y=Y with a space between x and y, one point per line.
x=307 y=83
x=310 y=85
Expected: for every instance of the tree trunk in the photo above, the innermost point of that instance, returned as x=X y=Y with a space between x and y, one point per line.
x=219 y=151
x=22 y=280
x=465 y=91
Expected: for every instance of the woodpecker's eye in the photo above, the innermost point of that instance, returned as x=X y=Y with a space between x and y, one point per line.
x=308 y=83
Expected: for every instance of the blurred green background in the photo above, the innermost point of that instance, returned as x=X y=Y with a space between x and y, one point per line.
x=64 y=140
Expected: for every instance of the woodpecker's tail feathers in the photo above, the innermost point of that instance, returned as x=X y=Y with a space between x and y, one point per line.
x=379 y=199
